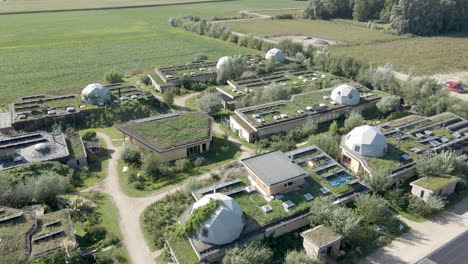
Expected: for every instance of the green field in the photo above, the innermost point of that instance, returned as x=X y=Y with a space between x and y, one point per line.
x=422 y=55
x=47 y=5
x=60 y=53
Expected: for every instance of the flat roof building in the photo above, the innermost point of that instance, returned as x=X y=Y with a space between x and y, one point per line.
x=16 y=151
x=274 y=173
x=173 y=136
x=260 y=121
x=322 y=242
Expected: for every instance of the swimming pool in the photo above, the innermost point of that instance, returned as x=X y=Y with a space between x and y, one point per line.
x=338 y=180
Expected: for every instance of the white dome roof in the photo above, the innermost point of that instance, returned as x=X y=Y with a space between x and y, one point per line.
x=42 y=147
x=367 y=141
x=275 y=54
x=222 y=61
x=95 y=93
x=225 y=224
x=345 y=94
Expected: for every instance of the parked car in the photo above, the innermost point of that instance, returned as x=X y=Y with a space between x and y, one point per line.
x=454 y=86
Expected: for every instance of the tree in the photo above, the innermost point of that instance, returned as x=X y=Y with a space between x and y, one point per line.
x=253 y=252
x=131 y=154
x=113 y=77
x=381 y=78
x=428 y=208
x=372 y=207
x=150 y=166
x=89 y=135
x=290 y=47
x=79 y=205
x=378 y=181
x=168 y=97
x=354 y=119
x=183 y=165
x=300 y=257
x=442 y=164
x=389 y=104
x=340 y=219
x=361 y=10
x=333 y=129
x=426 y=96
x=327 y=9
x=209 y=104
x=328 y=143
x=233 y=68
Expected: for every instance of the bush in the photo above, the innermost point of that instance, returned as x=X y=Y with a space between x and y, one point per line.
x=95 y=233
x=389 y=104
x=300 y=257
x=233 y=68
x=113 y=77
x=233 y=38
x=209 y=104
x=290 y=47
x=199 y=57
x=243 y=41
x=328 y=143
x=168 y=97
x=145 y=80
x=183 y=165
x=397 y=199
x=150 y=166
x=283 y=16
x=131 y=154
x=89 y=135
x=197 y=218
x=428 y=208
x=372 y=207
x=354 y=119
x=253 y=252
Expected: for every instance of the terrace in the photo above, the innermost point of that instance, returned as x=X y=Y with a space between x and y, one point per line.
x=301 y=105
x=410 y=137
x=14 y=234
x=286 y=78
x=37 y=106
x=195 y=68
x=53 y=229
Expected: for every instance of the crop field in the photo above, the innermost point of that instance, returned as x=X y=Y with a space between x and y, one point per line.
x=48 y=5
x=294 y=12
x=58 y=53
x=422 y=55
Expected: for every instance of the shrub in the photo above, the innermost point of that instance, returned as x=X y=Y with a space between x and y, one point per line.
x=378 y=182
x=150 y=166
x=183 y=165
x=95 y=233
x=428 y=208
x=209 y=104
x=145 y=80
x=354 y=119
x=372 y=207
x=300 y=257
x=113 y=77
x=389 y=104
x=329 y=143
x=233 y=38
x=200 y=56
x=397 y=199
x=88 y=135
x=197 y=218
x=168 y=97
x=283 y=16
x=253 y=252
x=233 y=68
x=131 y=154
x=243 y=41
x=290 y=47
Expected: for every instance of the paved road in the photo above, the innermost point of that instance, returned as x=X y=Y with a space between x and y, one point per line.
x=423 y=238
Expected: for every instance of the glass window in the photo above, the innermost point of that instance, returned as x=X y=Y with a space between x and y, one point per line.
x=357 y=148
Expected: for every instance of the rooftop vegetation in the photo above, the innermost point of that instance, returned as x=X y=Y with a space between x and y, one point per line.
x=434 y=183
x=183 y=251
x=45 y=245
x=174 y=131
x=198 y=218
x=322 y=235
x=291 y=107
x=14 y=248
x=75 y=147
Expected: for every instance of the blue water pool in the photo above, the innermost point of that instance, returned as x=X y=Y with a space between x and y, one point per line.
x=338 y=180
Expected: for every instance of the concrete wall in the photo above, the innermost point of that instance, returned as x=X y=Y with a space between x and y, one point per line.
x=425 y=193
x=241 y=131
x=78 y=163
x=278 y=188
x=314 y=251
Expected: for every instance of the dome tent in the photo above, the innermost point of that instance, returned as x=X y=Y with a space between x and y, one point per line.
x=275 y=55
x=367 y=141
x=222 y=61
x=225 y=224
x=95 y=94
x=345 y=94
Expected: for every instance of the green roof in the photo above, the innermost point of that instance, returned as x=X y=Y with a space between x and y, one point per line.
x=321 y=235
x=298 y=102
x=168 y=131
x=434 y=183
x=75 y=145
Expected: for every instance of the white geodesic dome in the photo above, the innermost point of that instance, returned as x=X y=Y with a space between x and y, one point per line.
x=95 y=94
x=225 y=224
x=367 y=141
x=345 y=94
x=222 y=61
x=275 y=55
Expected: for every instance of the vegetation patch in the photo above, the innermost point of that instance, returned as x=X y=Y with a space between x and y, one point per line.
x=197 y=218
x=434 y=183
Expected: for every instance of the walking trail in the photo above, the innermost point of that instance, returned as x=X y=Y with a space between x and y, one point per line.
x=131 y=208
x=423 y=238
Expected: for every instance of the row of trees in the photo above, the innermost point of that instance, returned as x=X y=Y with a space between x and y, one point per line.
x=419 y=17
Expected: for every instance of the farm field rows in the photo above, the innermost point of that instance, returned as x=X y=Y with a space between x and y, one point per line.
x=422 y=55
x=60 y=53
x=48 y=5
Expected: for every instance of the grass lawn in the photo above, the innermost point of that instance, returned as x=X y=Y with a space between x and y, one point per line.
x=58 y=53
x=214 y=159
x=422 y=55
x=108 y=215
x=169 y=132
x=98 y=169
x=75 y=146
x=183 y=251
x=45 y=5
x=294 y=12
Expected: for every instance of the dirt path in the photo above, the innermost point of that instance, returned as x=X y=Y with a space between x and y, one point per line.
x=180 y=101
x=423 y=238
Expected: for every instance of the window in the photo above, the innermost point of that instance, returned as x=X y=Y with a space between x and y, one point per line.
x=288 y=184
x=357 y=148
x=350 y=96
x=204 y=232
x=421 y=194
x=346 y=159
